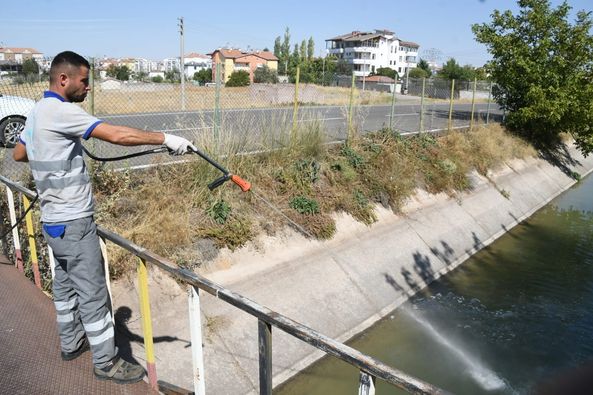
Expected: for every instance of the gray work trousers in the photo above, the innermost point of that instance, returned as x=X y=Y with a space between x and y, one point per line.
x=80 y=292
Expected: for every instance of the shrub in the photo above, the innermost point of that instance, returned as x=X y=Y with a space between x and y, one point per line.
x=238 y=78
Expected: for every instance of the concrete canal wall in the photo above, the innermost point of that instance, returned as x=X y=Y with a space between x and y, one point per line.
x=343 y=286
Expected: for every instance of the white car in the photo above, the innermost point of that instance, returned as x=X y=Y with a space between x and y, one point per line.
x=13 y=113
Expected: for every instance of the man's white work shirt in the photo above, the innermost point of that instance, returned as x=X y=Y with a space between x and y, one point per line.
x=52 y=137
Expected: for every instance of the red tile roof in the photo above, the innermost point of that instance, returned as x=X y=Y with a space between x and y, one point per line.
x=19 y=50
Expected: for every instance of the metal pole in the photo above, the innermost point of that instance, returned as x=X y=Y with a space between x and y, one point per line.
x=363 y=72
x=471 y=122
x=265 y=357
x=32 y=246
x=217 y=102
x=92 y=86
x=182 y=65
x=422 y=106
x=392 y=107
x=296 y=105
x=146 y=323
x=366 y=384
x=323 y=71
x=195 y=324
x=349 y=135
x=451 y=104
x=103 y=246
x=489 y=98
x=15 y=233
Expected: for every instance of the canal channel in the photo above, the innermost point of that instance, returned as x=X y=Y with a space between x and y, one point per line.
x=513 y=319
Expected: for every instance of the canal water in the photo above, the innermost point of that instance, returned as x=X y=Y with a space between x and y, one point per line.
x=514 y=318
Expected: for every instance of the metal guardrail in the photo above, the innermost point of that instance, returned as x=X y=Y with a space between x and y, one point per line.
x=370 y=368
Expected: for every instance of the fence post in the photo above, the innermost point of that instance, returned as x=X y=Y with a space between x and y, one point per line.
x=217 y=102
x=296 y=106
x=366 y=384
x=471 y=122
x=422 y=106
x=265 y=357
x=15 y=233
x=146 y=323
x=32 y=246
x=392 y=107
x=195 y=326
x=489 y=98
x=451 y=104
x=92 y=86
x=349 y=133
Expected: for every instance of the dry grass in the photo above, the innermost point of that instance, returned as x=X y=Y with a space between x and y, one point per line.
x=168 y=209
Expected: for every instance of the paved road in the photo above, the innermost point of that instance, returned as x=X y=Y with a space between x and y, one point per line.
x=252 y=129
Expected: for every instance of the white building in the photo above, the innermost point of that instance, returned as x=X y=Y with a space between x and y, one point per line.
x=195 y=62
x=142 y=65
x=368 y=51
x=171 y=64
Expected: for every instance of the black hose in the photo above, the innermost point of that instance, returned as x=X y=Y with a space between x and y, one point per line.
x=21 y=218
x=123 y=157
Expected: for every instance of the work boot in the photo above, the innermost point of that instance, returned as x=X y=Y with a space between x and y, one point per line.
x=69 y=356
x=120 y=371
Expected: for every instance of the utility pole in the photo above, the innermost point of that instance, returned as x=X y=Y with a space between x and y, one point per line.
x=182 y=65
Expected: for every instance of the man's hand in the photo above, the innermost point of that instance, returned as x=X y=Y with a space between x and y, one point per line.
x=177 y=145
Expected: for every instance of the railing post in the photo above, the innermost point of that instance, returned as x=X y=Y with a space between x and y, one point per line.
x=265 y=357
x=296 y=106
x=52 y=261
x=471 y=122
x=366 y=384
x=32 y=246
x=451 y=104
x=15 y=233
x=422 y=106
x=146 y=323
x=107 y=280
x=195 y=325
x=92 y=86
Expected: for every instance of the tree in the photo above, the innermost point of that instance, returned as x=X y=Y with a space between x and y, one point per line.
x=386 y=72
x=310 y=49
x=121 y=73
x=238 y=78
x=277 y=48
x=203 y=76
x=543 y=67
x=30 y=68
x=423 y=65
x=141 y=76
x=303 y=51
x=417 y=72
x=173 y=75
x=265 y=75
x=285 y=50
x=453 y=71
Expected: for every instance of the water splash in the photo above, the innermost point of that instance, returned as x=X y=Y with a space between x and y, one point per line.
x=484 y=376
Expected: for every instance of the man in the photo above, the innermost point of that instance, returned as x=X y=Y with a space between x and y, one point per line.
x=51 y=143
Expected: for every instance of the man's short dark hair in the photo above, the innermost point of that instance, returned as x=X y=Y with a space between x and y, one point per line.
x=66 y=58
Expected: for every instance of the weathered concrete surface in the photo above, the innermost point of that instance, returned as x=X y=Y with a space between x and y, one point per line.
x=343 y=286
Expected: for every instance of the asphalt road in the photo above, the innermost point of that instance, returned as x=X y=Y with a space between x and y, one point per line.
x=252 y=129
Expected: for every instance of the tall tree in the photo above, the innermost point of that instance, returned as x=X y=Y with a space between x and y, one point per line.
x=30 y=67
x=453 y=71
x=285 y=49
x=423 y=64
x=543 y=67
x=277 y=47
x=303 y=50
x=310 y=49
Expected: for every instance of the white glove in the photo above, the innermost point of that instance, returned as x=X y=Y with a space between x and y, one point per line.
x=177 y=145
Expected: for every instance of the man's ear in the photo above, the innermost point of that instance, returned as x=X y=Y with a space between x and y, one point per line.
x=63 y=79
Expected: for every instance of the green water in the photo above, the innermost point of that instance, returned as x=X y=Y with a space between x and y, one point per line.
x=519 y=310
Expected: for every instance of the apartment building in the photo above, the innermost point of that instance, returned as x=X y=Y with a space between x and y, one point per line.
x=194 y=62
x=234 y=60
x=368 y=51
x=18 y=55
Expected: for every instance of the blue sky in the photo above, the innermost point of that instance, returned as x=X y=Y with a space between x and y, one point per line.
x=149 y=28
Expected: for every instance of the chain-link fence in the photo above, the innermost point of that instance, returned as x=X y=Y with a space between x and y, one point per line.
x=227 y=120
